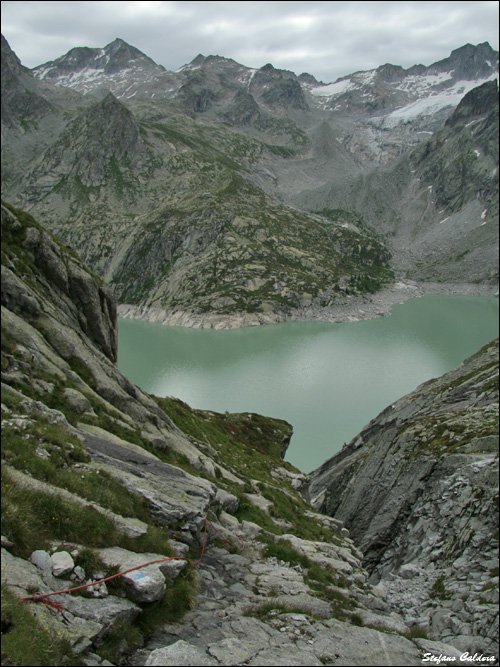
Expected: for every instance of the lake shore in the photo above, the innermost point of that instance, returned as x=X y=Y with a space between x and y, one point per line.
x=347 y=309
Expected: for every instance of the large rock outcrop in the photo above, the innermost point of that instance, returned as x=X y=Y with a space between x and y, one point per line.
x=418 y=490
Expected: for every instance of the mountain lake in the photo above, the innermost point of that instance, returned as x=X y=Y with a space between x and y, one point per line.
x=327 y=380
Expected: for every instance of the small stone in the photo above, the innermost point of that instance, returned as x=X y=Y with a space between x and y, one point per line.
x=97 y=590
x=6 y=544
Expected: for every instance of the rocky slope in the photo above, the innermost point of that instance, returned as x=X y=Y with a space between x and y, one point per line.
x=99 y=477
x=418 y=490
x=437 y=205
x=256 y=195
x=154 y=183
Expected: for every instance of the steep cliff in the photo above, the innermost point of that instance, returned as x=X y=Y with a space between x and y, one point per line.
x=100 y=478
x=418 y=490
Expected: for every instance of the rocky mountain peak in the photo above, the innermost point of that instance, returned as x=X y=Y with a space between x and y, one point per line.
x=10 y=62
x=217 y=60
x=81 y=64
x=278 y=88
x=390 y=73
x=478 y=101
x=198 y=61
x=121 y=55
x=308 y=79
x=96 y=148
x=469 y=62
x=479 y=51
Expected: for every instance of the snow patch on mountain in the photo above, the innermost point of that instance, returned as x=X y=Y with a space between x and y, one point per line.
x=333 y=89
x=429 y=105
x=79 y=79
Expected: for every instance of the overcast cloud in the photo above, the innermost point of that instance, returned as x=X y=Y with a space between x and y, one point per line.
x=326 y=39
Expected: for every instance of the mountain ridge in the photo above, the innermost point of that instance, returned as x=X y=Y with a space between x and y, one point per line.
x=217 y=144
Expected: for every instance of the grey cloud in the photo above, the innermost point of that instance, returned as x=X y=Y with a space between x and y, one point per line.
x=327 y=39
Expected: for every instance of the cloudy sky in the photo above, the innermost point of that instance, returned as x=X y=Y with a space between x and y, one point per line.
x=326 y=39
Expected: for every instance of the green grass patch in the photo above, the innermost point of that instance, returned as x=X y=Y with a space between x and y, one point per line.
x=236 y=436
x=32 y=519
x=180 y=598
x=416 y=632
x=317 y=577
x=91 y=562
x=292 y=508
x=122 y=638
x=25 y=642
x=247 y=511
x=49 y=453
x=438 y=589
x=83 y=371
x=273 y=608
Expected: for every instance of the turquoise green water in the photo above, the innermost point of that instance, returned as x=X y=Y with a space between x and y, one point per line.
x=327 y=380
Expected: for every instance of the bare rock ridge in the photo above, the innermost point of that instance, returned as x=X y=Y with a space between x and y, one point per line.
x=131 y=478
x=229 y=195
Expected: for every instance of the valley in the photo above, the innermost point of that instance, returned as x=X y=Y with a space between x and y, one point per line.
x=257 y=195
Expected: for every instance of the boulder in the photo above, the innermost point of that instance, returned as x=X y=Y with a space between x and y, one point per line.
x=77 y=401
x=342 y=644
x=62 y=563
x=182 y=654
x=147 y=584
x=228 y=501
x=42 y=560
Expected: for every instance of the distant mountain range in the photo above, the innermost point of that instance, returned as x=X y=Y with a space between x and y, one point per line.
x=224 y=190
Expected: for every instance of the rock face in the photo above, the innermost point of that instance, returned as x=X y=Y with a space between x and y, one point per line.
x=20 y=97
x=102 y=136
x=111 y=481
x=418 y=489
x=86 y=304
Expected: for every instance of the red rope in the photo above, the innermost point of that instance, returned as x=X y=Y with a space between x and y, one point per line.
x=39 y=597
